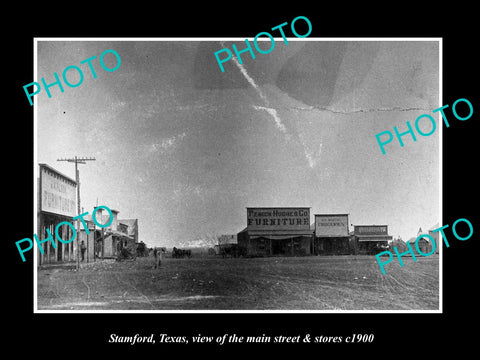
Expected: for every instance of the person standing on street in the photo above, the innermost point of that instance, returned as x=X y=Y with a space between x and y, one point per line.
x=82 y=249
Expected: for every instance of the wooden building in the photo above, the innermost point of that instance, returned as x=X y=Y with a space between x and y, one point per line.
x=226 y=243
x=331 y=235
x=370 y=239
x=114 y=241
x=436 y=236
x=120 y=234
x=56 y=205
x=424 y=245
x=131 y=226
x=277 y=231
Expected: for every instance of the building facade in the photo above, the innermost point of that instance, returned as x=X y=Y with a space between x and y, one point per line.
x=56 y=204
x=370 y=239
x=131 y=226
x=115 y=237
x=277 y=231
x=423 y=244
x=331 y=235
x=436 y=237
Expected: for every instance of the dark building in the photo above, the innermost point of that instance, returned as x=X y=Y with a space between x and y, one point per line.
x=331 y=235
x=370 y=239
x=277 y=231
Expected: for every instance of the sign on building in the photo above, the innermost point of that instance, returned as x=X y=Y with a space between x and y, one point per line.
x=333 y=225
x=58 y=192
x=278 y=218
x=371 y=230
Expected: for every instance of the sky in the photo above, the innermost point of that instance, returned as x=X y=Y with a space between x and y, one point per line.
x=185 y=148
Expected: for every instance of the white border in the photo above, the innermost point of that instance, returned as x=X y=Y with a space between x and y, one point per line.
x=35 y=166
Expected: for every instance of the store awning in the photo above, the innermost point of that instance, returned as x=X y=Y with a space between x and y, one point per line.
x=276 y=237
x=373 y=237
x=118 y=234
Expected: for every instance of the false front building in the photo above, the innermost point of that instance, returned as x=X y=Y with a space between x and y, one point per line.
x=57 y=200
x=370 y=239
x=331 y=234
x=277 y=231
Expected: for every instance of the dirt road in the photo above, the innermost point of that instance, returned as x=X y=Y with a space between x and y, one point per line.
x=209 y=283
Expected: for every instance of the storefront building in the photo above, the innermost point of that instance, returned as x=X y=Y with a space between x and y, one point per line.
x=56 y=204
x=277 y=231
x=370 y=239
x=111 y=240
x=331 y=235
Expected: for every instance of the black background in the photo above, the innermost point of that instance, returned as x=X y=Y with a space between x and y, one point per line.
x=60 y=335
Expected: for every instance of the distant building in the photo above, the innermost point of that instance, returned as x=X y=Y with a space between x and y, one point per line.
x=227 y=239
x=277 y=231
x=225 y=244
x=132 y=227
x=370 y=239
x=424 y=245
x=399 y=244
x=123 y=228
x=436 y=236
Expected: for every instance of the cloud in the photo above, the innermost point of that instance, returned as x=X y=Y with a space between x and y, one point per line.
x=276 y=118
x=182 y=190
x=312 y=157
x=260 y=93
x=166 y=143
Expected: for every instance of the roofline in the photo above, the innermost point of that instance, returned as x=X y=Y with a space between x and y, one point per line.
x=414 y=239
x=279 y=207
x=373 y=235
x=56 y=171
x=285 y=231
x=112 y=210
x=55 y=214
x=330 y=214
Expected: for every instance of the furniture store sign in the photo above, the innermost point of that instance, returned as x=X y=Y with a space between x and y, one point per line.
x=58 y=194
x=278 y=218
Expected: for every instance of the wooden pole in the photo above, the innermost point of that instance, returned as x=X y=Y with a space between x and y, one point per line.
x=77 y=160
x=77 y=178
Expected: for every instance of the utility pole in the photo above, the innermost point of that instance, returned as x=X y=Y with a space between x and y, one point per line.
x=78 y=160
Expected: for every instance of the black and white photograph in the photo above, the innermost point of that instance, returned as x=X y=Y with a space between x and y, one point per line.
x=223 y=180
x=261 y=187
